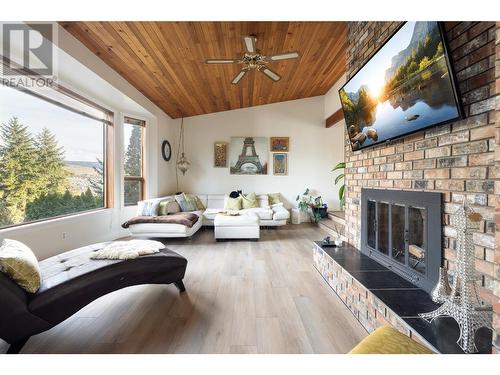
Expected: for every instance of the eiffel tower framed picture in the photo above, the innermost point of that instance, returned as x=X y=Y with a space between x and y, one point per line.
x=248 y=155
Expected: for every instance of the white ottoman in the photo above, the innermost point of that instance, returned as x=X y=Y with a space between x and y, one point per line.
x=242 y=226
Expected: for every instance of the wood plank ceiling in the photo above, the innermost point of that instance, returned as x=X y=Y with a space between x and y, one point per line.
x=165 y=60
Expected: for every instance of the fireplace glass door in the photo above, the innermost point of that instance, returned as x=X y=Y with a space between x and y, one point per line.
x=402 y=230
x=398 y=231
x=416 y=239
x=398 y=245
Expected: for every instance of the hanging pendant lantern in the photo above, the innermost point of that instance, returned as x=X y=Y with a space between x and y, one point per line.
x=182 y=163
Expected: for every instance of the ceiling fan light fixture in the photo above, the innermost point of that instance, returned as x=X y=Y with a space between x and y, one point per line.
x=254 y=60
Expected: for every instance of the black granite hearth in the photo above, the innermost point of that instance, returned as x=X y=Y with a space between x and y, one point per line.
x=404 y=299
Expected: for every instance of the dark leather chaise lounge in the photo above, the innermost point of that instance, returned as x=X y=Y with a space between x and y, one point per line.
x=72 y=280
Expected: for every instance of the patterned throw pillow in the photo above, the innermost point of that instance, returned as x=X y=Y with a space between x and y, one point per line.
x=233 y=204
x=274 y=198
x=149 y=207
x=19 y=263
x=188 y=204
x=249 y=200
x=199 y=204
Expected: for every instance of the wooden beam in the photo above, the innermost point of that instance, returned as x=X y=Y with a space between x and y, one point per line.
x=336 y=117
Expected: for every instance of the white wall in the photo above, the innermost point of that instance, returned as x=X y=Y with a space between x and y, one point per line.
x=314 y=150
x=85 y=73
x=332 y=105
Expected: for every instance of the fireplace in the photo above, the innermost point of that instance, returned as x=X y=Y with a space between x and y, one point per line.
x=402 y=231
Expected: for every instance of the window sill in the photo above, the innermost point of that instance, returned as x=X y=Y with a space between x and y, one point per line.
x=53 y=220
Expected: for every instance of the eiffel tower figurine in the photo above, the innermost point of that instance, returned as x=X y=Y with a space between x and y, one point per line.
x=463 y=303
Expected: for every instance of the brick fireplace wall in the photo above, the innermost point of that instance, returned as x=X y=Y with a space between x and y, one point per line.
x=456 y=159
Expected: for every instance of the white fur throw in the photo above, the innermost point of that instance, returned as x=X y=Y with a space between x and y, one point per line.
x=128 y=249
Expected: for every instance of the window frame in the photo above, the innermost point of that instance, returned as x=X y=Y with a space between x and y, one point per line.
x=137 y=121
x=108 y=141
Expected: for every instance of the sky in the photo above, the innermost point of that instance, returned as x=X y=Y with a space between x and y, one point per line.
x=81 y=137
x=373 y=73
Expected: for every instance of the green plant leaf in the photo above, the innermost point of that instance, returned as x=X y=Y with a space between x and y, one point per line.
x=341 y=193
x=338 y=178
x=340 y=165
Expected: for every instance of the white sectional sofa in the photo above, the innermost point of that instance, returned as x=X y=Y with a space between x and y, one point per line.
x=269 y=216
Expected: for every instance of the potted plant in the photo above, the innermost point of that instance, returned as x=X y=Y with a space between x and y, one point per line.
x=341 y=166
x=313 y=205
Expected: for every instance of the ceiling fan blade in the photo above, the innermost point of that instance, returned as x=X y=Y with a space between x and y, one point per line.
x=238 y=77
x=249 y=43
x=284 y=56
x=268 y=72
x=221 y=61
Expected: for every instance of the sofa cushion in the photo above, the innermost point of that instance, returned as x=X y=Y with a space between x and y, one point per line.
x=168 y=207
x=249 y=200
x=262 y=213
x=263 y=200
x=19 y=263
x=280 y=213
x=274 y=198
x=215 y=201
x=210 y=213
x=186 y=202
x=233 y=204
x=149 y=207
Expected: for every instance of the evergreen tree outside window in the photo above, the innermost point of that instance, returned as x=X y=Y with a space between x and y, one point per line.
x=134 y=182
x=50 y=159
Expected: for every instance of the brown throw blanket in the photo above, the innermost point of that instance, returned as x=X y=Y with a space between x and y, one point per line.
x=184 y=218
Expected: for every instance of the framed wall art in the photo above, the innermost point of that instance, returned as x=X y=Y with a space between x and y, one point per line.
x=220 y=154
x=280 y=144
x=248 y=155
x=280 y=164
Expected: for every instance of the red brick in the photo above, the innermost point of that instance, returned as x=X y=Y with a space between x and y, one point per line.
x=415 y=155
x=437 y=152
x=482 y=132
x=456 y=185
x=437 y=173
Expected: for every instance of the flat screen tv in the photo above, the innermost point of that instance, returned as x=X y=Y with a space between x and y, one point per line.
x=408 y=85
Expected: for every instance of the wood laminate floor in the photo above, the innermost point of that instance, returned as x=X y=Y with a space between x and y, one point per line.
x=242 y=297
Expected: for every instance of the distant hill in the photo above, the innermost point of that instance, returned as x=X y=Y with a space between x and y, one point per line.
x=81 y=163
x=81 y=174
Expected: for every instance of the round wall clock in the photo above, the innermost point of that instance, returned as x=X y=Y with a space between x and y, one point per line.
x=166 y=150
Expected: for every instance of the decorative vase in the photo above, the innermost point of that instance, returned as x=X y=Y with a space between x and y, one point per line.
x=442 y=288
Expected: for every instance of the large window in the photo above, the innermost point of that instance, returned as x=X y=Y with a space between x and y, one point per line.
x=52 y=157
x=134 y=182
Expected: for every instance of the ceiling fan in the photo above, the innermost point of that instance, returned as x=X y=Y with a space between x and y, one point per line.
x=253 y=59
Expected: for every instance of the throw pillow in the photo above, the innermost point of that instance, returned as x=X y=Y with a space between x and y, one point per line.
x=274 y=198
x=249 y=200
x=149 y=207
x=187 y=204
x=19 y=263
x=167 y=207
x=199 y=204
x=233 y=204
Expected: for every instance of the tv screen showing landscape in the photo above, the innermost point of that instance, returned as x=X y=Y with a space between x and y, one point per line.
x=405 y=87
